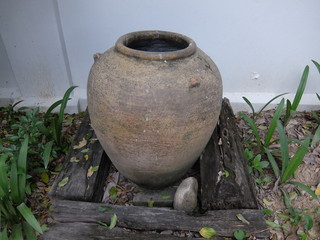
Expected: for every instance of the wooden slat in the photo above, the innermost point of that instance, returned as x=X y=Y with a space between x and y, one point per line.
x=224 y=152
x=87 y=231
x=80 y=185
x=224 y=222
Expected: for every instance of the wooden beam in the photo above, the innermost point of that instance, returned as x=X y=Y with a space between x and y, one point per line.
x=225 y=222
x=82 y=184
x=225 y=181
x=85 y=231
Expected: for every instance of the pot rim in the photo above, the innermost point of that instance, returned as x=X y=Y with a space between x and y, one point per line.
x=123 y=42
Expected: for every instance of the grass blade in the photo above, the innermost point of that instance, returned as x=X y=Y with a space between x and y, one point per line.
x=4 y=183
x=17 y=232
x=64 y=104
x=284 y=147
x=58 y=127
x=295 y=161
x=22 y=168
x=270 y=102
x=289 y=112
x=3 y=234
x=47 y=153
x=316 y=64
x=29 y=217
x=51 y=108
x=305 y=188
x=29 y=232
x=254 y=128
x=300 y=89
x=287 y=202
x=316 y=137
x=250 y=105
x=14 y=182
x=273 y=162
x=273 y=123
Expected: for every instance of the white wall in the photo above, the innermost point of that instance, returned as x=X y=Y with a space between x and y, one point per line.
x=260 y=46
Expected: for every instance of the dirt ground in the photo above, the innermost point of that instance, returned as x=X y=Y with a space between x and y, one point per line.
x=301 y=126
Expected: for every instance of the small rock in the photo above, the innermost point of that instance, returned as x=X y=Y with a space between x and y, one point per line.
x=185 y=198
x=167 y=232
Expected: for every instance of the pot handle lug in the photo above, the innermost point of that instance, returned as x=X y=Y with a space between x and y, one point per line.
x=96 y=56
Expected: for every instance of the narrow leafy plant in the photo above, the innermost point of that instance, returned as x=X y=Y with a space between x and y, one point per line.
x=16 y=218
x=291 y=108
x=54 y=124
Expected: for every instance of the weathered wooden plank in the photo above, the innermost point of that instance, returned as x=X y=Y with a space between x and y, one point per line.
x=85 y=231
x=224 y=155
x=83 y=184
x=224 y=222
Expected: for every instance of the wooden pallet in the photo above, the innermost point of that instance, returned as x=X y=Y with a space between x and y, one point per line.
x=226 y=190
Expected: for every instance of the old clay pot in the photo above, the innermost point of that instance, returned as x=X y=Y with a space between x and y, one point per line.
x=154 y=100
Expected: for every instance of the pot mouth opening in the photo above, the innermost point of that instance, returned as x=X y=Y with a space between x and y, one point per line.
x=156 y=45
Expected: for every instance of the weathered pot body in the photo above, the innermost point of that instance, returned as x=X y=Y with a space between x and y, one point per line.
x=154 y=100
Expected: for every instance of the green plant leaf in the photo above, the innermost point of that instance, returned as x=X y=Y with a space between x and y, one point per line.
x=103 y=224
x=316 y=137
x=273 y=123
x=295 y=161
x=283 y=216
x=284 y=147
x=239 y=235
x=267 y=211
x=63 y=182
x=22 y=168
x=61 y=112
x=308 y=222
x=104 y=208
x=289 y=112
x=303 y=236
x=113 y=221
x=273 y=225
x=300 y=89
x=254 y=128
x=29 y=217
x=273 y=163
x=250 y=105
x=17 y=232
x=29 y=232
x=113 y=193
x=4 y=183
x=47 y=153
x=150 y=203
x=14 y=183
x=207 y=232
x=51 y=108
x=287 y=203
x=165 y=196
x=316 y=64
x=3 y=234
x=305 y=188
x=270 y=102
x=44 y=177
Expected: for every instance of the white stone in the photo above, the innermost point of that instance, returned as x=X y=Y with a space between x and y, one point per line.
x=185 y=198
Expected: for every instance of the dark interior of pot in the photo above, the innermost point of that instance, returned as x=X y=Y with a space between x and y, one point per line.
x=157 y=44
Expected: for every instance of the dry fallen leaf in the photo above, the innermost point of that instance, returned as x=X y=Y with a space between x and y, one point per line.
x=242 y=219
x=74 y=159
x=207 y=232
x=86 y=157
x=81 y=144
x=91 y=170
x=63 y=182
